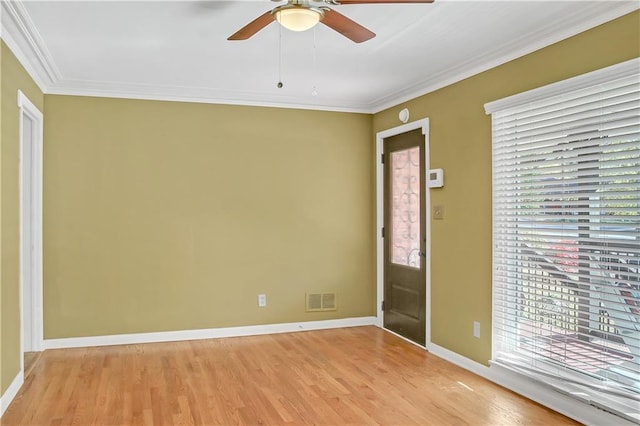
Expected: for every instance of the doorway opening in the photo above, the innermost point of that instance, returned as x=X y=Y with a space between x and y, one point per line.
x=31 y=149
x=403 y=249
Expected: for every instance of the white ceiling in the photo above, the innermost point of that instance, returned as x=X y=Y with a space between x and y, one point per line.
x=178 y=50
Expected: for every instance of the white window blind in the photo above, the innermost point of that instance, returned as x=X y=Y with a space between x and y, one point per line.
x=566 y=226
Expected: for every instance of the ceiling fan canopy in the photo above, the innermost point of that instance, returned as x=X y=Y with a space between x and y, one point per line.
x=301 y=15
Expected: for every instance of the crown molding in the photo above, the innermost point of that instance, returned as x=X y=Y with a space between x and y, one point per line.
x=21 y=36
x=587 y=19
x=191 y=94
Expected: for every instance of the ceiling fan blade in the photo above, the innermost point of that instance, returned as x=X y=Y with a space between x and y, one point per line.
x=380 y=1
x=253 y=27
x=345 y=26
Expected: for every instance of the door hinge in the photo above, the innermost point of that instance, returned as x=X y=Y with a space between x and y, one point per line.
x=382 y=158
x=382 y=232
x=382 y=306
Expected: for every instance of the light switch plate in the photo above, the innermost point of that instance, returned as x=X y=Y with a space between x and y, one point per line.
x=438 y=212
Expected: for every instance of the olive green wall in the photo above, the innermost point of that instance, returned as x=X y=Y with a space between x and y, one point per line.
x=14 y=77
x=166 y=216
x=460 y=142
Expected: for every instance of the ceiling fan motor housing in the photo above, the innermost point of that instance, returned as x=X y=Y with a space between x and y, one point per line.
x=297 y=16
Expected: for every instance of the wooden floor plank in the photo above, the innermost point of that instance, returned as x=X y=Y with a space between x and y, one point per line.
x=359 y=375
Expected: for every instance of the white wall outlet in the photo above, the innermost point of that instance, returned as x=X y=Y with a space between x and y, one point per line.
x=262 y=300
x=476 y=329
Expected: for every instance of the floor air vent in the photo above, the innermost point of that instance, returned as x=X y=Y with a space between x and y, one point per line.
x=321 y=302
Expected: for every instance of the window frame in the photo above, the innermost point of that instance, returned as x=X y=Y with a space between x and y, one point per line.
x=625 y=69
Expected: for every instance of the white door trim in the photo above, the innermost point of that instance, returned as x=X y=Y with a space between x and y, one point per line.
x=37 y=334
x=380 y=136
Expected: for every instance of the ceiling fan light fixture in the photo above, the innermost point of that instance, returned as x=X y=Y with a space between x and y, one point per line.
x=297 y=18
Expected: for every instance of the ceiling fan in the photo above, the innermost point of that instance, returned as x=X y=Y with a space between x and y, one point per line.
x=301 y=15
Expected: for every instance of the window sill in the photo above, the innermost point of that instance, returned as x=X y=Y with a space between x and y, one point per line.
x=573 y=406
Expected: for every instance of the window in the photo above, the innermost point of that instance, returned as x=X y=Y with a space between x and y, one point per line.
x=566 y=229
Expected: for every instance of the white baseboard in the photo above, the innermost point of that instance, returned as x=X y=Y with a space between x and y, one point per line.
x=459 y=360
x=570 y=407
x=210 y=333
x=11 y=392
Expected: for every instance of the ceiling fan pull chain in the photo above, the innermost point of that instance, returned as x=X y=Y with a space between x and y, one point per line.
x=314 y=91
x=280 y=58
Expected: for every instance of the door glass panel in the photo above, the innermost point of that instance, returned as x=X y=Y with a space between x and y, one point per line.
x=405 y=199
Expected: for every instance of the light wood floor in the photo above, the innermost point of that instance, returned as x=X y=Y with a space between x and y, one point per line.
x=357 y=375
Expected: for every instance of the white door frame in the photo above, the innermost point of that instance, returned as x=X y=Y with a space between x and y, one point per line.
x=380 y=136
x=36 y=334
